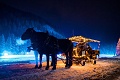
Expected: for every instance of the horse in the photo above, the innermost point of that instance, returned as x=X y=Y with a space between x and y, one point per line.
x=49 y=45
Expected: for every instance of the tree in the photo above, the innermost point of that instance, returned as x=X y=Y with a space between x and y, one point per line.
x=2 y=44
x=8 y=44
x=118 y=48
x=13 y=42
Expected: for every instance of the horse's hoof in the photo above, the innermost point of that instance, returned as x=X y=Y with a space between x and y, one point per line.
x=46 y=68
x=67 y=67
x=54 y=68
x=40 y=67
x=36 y=67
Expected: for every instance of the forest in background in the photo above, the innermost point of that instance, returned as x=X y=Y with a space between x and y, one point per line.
x=13 y=24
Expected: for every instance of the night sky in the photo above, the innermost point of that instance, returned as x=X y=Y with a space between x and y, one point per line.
x=97 y=19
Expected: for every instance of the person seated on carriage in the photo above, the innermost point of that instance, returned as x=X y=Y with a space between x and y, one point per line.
x=84 y=49
x=89 y=47
x=90 y=52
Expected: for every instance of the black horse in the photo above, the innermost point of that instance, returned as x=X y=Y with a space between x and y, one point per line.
x=49 y=45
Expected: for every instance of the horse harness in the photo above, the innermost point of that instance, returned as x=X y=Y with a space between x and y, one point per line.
x=47 y=43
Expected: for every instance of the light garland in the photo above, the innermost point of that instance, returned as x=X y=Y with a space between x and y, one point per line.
x=81 y=39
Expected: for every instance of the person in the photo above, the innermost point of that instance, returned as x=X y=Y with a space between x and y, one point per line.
x=88 y=47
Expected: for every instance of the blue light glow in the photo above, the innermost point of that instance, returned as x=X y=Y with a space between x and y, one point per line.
x=6 y=53
x=30 y=53
x=20 y=42
x=106 y=55
x=108 y=49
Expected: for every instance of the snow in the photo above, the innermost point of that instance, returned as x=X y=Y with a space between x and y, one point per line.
x=104 y=69
x=106 y=55
x=13 y=58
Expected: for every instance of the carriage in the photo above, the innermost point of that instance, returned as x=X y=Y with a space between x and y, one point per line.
x=83 y=52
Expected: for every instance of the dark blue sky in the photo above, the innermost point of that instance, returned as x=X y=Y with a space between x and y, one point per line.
x=97 y=19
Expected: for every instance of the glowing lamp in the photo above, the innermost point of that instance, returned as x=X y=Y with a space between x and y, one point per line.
x=5 y=54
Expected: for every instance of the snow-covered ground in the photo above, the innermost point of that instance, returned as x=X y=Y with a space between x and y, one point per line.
x=106 y=55
x=12 y=58
x=103 y=70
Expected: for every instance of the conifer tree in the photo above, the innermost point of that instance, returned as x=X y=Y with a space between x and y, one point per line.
x=8 y=44
x=3 y=42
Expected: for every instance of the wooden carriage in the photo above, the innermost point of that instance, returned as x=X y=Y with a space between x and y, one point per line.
x=82 y=51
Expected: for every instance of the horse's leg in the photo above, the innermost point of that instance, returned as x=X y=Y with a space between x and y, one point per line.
x=54 y=61
x=40 y=59
x=66 y=60
x=36 y=58
x=70 y=58
x=47 y=67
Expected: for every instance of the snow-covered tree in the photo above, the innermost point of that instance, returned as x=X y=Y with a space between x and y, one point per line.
x=2 y=44
x=13 y=43
x=118 y=48
x=8 y=44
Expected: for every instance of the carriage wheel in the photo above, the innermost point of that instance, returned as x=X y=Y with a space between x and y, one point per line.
x=82 y=63
x=94 y=62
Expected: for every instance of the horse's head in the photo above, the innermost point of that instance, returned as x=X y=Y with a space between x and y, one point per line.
x=27 y=34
